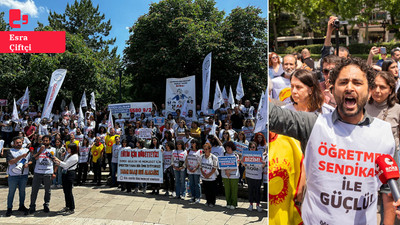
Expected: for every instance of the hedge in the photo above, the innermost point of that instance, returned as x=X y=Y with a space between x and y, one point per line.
x=355 y=49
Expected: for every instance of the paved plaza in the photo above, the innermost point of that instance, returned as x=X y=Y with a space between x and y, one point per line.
x=103 y=205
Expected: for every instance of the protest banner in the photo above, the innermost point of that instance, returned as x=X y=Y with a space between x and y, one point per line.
x=159 y=121
x=240 y=147
x=127 y=108
x=252 y=157
x=145 y=133
x=3 y=102
x=140 y=165
x=227 y=162
x=179 y=90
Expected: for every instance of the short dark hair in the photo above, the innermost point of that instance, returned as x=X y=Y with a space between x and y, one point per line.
x=171 y=145
x=17 y=137
x=46 y=136
x=394 y=50
x=360 y=63
x=331 y=59
x=231 y=145
x=386 y=64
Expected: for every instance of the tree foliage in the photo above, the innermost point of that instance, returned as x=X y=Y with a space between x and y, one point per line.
x=172 y=39
x=87 y=68
x=84 y=19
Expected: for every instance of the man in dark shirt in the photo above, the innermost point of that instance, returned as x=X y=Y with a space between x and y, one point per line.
x=237 y=120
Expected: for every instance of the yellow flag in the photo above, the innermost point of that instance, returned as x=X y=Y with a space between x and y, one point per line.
x=284 y=159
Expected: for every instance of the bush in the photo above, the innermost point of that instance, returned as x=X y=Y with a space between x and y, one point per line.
x=355 y=49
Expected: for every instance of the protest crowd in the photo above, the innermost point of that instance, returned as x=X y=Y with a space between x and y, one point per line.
x=323 y=105
x=63 y=150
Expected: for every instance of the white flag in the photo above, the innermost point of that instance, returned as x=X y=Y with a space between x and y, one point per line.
x=14 y=116
x=83 y=100
x=92 y=101
x=81 y=117
x=72 y=108
x=63 y=104
x=24 y=100
x=206 y=83
x=110 y=123
x=239 y=89
x=218 y=100
x=57 y=79
x=224 y=95
x=262 y=113
x=231 y=100
x=213 y=130
x=184 y=109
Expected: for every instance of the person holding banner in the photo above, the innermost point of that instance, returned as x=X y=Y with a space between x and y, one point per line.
x=179 y=166
x=155 y=144
x=230 y=176
x=125 y=185
x=114 y=161
x=168 y=170
x=254 y=179
x=18 y=162
x=143 y=186
x=209 y=173
x=193 y=162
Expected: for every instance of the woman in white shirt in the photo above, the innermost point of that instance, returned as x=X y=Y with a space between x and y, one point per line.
x=178 y=164
x=193 y=161
x=230 y=177
x=68 y=176
x=209 y=172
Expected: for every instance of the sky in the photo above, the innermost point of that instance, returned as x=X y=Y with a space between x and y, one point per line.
x=122 y=13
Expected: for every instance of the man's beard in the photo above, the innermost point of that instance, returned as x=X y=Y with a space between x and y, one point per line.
x=289 y=72
x=361 y=102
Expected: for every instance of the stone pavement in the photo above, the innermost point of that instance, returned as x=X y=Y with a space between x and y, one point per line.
x=103 y=205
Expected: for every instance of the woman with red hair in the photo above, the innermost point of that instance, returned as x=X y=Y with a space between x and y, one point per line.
x=259 y=139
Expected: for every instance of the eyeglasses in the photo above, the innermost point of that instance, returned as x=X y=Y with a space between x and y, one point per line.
x=274 y=57
x=326 y=71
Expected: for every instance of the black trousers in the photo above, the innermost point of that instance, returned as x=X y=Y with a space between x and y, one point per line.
x=210 y=190
x=97 y=171
x=169 y=179
x=254 y=189
x=82 y=170
x=67 y=182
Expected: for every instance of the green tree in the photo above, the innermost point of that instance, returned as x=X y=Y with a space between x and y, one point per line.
x=84 y=19
x=172 y=39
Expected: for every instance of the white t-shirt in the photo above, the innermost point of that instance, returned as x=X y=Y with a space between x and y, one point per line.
x=44 y=165
x=178 y=158
x=121 y=122
x=83 y=154
x=167 y=159
x=207 y=164
x=14 y=153
x=115 y=153
x=193 y=161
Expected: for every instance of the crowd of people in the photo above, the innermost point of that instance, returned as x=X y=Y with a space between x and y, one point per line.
x=345 y=95
x=61 y=151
